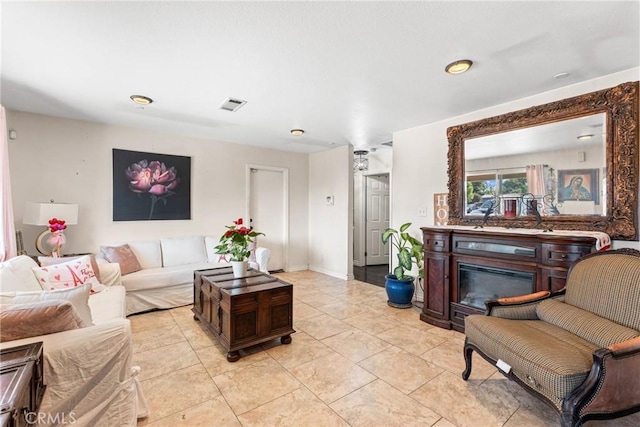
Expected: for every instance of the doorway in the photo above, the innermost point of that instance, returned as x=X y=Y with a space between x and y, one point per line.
x=268 y=211
x=375 y=213
x=376 y=219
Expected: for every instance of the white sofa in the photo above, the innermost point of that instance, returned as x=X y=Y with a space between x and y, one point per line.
x=166 y=277
x=88 y=372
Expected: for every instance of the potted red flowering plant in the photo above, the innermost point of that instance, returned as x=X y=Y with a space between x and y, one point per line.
x=235 y=242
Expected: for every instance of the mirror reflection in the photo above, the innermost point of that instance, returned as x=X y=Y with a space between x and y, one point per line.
x=554 y=169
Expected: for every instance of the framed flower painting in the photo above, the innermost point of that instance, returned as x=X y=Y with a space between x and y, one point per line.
x=150 y=186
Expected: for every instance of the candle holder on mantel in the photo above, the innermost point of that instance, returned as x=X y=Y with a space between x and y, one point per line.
x=511 y=206
x=530 y=203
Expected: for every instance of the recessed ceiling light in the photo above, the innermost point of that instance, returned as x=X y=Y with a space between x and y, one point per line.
x=561 y=76
x=458 y=67
x=141 y=99
x=297 y=132
x=589 y=136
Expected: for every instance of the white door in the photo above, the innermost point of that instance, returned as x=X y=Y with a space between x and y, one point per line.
x=377 y=219
x=267 y=212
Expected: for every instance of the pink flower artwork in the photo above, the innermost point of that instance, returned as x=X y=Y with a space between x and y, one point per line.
x=151 y=186
x=153 y=178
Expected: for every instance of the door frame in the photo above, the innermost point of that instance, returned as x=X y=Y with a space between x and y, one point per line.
x=285 y=204
x=361 y=260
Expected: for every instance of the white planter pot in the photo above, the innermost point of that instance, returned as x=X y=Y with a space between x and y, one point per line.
x=239 y=268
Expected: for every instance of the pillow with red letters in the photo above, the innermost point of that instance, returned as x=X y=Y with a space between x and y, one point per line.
x=70 y=274
x=46 y=261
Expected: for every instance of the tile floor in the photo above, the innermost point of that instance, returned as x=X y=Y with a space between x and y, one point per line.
x=354 y=361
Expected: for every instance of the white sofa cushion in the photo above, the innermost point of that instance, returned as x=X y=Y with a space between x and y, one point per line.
x=148 y=253
x=108 y=305
x=183 y=250
x=156 y=278
x=210 y=244
x=16 y=275
x=78 y=296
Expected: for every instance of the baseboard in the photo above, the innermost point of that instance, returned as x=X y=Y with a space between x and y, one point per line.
x=330 y=273
x=297 y=268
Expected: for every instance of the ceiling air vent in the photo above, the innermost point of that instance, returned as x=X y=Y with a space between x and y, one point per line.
x=232 y=104
x=388 y=144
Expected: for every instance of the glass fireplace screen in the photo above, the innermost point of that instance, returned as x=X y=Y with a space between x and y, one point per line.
x=478 y=284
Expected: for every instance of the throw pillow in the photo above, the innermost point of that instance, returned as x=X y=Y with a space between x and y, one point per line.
x=16 y=275
x=46 y=261
x=68 y=274
x=79 y=297
x=37 y=318
x=124 y=256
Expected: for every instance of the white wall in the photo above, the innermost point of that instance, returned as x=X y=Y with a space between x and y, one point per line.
x=330 y=226
x=379 y=163
x=71 y=161
x=420 y=154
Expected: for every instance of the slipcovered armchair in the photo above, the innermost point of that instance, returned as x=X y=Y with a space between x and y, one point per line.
x=577 y=349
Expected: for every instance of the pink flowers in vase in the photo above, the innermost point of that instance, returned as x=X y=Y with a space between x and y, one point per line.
x=57 y=238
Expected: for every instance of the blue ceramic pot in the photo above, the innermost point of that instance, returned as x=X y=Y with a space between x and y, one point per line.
x=399 y=292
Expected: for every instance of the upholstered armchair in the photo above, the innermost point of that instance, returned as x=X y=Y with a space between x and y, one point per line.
x=577 y=349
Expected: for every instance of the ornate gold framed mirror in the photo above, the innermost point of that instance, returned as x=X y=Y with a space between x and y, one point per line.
x=586 y=147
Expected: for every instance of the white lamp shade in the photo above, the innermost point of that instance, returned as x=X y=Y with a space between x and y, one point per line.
x=40 y=213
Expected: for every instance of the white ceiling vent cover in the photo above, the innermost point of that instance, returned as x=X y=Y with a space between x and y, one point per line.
x=232 y=104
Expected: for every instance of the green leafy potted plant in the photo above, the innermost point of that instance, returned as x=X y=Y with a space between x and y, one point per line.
x=400 y=287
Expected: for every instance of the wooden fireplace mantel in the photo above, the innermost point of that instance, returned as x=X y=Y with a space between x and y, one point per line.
x=544 y=257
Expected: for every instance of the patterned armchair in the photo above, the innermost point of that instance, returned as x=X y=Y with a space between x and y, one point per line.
x=579 y=348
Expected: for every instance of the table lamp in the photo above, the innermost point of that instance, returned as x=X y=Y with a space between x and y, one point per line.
x=40 y=213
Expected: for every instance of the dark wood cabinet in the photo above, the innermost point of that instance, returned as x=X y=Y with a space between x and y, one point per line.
x=242 y=312
x=464 y=266
x=436 y=300
x=21 y=384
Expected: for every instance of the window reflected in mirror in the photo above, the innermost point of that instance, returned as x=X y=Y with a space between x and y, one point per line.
x=557 y=168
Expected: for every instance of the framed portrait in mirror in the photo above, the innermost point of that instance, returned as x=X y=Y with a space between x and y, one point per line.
x=578 y=184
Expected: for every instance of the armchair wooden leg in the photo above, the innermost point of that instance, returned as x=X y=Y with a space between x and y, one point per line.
x=467 y=361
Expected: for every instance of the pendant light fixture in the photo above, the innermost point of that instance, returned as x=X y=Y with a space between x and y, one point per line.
x=360 y=163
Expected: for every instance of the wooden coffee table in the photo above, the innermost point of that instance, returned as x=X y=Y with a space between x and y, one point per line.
x=21 y=384
x=242 y=312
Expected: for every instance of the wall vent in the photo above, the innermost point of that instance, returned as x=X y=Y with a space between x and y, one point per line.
x=232 y=104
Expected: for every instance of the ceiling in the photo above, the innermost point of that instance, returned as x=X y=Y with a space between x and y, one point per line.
x=345 y=72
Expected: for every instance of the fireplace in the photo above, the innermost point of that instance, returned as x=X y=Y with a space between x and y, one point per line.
x=479 y=283
x=464 y=267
